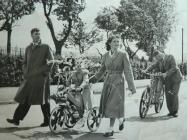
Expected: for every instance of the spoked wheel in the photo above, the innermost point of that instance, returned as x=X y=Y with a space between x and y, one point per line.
x=93 y=119
x=57 y=119
x=70 y=121
x=159 y=103
x=144 y=103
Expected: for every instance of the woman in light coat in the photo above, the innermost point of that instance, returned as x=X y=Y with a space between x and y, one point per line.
x=116 y=65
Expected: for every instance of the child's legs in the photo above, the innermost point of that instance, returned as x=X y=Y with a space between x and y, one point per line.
x=87 y=98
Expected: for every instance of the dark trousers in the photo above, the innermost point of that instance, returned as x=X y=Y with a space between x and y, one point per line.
x=22 y=110
x=172 y=100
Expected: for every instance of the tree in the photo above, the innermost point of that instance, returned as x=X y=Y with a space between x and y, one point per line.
x=131 y=22
x=135 y=25
x=82 y=38
x=164 y=16
x=107 y=20
x=67 y=11
x=10 y=12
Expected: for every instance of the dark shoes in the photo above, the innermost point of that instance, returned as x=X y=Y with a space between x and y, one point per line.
x=16 y=122
x=109 y=134
x=44 y=124
x=172 y=114
x=175 y=115
x=121 y=126
x=12 y=121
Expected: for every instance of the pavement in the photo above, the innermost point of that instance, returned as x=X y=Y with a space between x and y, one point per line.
x=7 y=93
x=156 y=126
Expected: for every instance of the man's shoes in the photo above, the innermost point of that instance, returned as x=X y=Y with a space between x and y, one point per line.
x=172 y=114
x=109 y=134
x=169 y=114
x=175 y=115
x=44 y=124
x=121 y=126
x=13 y=121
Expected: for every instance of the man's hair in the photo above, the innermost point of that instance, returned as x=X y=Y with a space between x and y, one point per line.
x=34 y=30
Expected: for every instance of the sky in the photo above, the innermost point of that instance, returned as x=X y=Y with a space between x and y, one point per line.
x=21 y=32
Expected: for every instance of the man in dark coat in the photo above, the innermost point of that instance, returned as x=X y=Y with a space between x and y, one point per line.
x=172 y=75
x=34 y=89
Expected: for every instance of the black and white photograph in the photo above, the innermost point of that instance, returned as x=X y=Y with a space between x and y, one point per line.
x=93 y=69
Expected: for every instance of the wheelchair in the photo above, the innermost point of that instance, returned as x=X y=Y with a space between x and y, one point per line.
x=70 y=106
x=70 y=110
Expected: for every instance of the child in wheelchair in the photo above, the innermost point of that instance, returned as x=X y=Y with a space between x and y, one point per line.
x=80 y=82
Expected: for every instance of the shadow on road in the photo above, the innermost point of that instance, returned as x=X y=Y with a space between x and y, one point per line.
x=67 y=134
x=14 y=129
x=148 y=118
x=93 y=136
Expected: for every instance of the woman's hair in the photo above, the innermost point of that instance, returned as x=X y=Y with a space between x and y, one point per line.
x=109 y=40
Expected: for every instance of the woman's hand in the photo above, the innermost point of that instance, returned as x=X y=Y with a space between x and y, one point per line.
x=131 y=92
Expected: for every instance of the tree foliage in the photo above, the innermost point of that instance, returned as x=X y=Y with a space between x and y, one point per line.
x=107 y=20
x=143 y=21
x=67 y=12
x=131 y=22
x=10 y=12
x=135 y=25
x=163 y=14
x=82 y=38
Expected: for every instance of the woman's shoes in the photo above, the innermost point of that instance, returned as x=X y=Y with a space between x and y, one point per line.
x=109 y=134
x=121 y=126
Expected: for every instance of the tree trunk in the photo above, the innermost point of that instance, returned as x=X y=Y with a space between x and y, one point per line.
x=151 y=55
x=9 y=32
x=58 y=49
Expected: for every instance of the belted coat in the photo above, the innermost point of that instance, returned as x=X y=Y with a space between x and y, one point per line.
x=117 y=68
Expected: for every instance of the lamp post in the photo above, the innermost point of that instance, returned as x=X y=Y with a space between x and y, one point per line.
x=182 y=44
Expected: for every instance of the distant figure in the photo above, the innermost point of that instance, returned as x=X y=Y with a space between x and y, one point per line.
x=34 y=90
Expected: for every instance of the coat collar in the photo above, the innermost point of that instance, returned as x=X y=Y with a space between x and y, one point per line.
x=113 y=58
x=36 y=44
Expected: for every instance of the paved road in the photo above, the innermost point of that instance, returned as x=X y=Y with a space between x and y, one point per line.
x=154 y=127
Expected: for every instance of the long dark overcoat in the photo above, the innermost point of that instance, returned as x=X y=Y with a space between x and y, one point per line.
x=118 y=69
x=35 y=87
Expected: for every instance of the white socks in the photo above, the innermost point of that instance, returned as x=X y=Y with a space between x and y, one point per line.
x=120 y=120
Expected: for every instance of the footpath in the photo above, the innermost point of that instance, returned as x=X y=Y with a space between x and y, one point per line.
x=7 y=93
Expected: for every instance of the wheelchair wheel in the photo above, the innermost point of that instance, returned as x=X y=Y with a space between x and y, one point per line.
x=70 y=121
x=159 y=103
x=93 y=119
x=57 y=119
x=144 y=103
